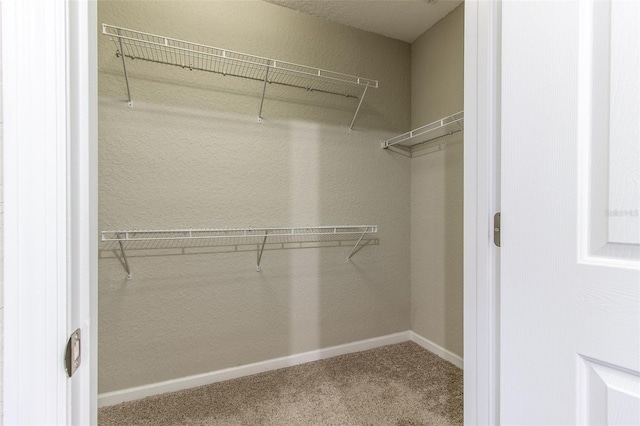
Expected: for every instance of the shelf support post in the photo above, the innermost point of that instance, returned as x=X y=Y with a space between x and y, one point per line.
x=259 y=253
x=353 y=251
x=124 y=67
x=264 y=89
x=358 y=109
x=124 y=257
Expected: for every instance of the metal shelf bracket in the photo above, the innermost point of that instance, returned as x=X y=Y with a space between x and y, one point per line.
x=260 y=251
x=264 y=89
x=358 y=108
x=124 y=67
x=355 y=248
x=124 y=256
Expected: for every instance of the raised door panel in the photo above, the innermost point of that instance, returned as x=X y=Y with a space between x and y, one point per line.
x=624 y=131
x=608 y=396
x=609 y=128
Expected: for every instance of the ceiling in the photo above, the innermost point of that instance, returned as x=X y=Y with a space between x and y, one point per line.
x=404 y=20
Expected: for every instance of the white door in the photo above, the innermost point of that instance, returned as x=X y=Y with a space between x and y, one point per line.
x=570 y=271
x=50 y=210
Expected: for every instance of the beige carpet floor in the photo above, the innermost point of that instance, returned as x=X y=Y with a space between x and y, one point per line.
x=400 y=385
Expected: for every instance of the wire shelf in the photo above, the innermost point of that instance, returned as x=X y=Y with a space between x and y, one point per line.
x=233 y=233
x=443 y=127
x=193 y=56
x=161 y=239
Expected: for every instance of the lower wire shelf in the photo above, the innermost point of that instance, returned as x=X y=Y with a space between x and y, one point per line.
x=162 y=239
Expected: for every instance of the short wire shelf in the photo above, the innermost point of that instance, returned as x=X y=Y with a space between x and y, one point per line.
x=194 y=56
x=160 y=239
x=422 y=135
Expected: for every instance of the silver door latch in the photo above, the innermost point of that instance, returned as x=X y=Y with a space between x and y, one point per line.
x=496 y=229
x=72 y=354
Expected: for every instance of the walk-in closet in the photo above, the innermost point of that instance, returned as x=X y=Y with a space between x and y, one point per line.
x=277 y=189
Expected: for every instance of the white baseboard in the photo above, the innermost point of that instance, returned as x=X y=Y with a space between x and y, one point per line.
x=131 y=394
x=436 y=349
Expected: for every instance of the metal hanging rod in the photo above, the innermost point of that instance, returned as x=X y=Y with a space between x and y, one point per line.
x=443 y=127
x=256 y=236
x=164 y=50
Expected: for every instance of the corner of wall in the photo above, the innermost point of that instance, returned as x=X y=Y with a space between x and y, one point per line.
x=437 y=90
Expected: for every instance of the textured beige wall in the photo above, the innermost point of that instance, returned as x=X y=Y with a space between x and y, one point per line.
x=437 y=187
x=191 y=154
x=437 y=67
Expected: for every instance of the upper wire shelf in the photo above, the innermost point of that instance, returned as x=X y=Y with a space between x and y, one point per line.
x=234 y=236
x=193 y=56
x=443 y=127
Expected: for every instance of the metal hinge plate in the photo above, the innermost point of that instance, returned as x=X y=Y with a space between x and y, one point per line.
x=72 y=354
x=496 y=229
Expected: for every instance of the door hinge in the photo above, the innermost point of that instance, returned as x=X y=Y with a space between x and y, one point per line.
x=496 y=229
x=72 y=353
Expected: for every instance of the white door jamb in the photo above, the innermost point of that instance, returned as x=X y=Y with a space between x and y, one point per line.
x=481 y=201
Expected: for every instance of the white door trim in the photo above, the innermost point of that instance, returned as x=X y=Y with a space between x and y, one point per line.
x=82 y=77
x=481 y=201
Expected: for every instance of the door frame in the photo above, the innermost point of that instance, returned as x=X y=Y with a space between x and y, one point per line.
x=50 y=212
x=482 y=42
x=37 y=302
x=82 y=201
